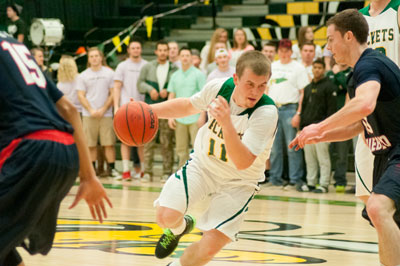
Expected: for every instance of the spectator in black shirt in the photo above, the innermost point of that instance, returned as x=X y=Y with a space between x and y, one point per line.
x=16 y=26
x=319 y=102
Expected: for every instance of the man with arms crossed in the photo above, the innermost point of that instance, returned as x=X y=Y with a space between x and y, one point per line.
x=229 y=158
x=375 y=109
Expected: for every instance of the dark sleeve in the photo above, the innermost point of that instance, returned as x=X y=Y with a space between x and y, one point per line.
x=368 y=70
x=54 y=93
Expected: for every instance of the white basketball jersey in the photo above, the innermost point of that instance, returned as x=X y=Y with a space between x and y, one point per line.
x=256 y=128
x=384 y=33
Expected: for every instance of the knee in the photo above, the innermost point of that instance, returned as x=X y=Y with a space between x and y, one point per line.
x=379 y=208
x=167 y=218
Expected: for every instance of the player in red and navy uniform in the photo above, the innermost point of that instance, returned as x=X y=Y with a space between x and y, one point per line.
x=374 y=109
x=42 y=148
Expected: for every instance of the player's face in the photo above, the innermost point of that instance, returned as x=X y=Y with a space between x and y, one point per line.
x=249 y=88
x=135 y=50
x=39 y=58
x=269 y=51
x=222 y=60
x=173 y=50
x=162 y=52
x=185 y=57
x=284 y=54
x=336 y=44
x=94 y=58
x=308 y=53
x=318 y=71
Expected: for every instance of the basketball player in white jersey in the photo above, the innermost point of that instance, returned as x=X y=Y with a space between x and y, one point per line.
x=384 y=35
x=229 y=157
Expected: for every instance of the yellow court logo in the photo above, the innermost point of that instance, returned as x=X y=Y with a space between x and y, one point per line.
x=140 y=238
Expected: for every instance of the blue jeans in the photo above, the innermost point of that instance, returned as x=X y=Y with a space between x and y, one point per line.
x=284 y=135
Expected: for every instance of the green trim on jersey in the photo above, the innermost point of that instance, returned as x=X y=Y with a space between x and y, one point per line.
x=227 y=90
x=236 y=214
x=392 y=4
x=185 y=183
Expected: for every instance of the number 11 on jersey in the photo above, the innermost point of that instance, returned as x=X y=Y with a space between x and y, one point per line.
x=211 y=150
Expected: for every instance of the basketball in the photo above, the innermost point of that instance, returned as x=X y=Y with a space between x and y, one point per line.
x=135 y=123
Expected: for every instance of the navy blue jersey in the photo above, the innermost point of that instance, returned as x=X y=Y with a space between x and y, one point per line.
x=26 y=97
x=382 y=127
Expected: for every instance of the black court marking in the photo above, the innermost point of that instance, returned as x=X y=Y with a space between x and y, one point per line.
x=144 y=122
x=127 y=123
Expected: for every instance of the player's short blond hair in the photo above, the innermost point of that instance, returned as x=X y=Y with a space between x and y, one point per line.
x=254 y=60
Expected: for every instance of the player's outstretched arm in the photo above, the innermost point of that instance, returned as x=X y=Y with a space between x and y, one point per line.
x=334 y=135
x=90 y=187
x=175 y=108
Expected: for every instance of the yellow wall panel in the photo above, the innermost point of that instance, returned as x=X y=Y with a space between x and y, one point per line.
x=302 y=8
x=282 y=20
x=265 y=34
x=320 y=36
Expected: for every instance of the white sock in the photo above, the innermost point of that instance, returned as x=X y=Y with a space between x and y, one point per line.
x=176 y=263
x=125 y=165
x=179 y=230
x=142 y=166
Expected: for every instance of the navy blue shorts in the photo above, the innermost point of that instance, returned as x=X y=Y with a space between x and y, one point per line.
x=387 y=175
x=36 y=173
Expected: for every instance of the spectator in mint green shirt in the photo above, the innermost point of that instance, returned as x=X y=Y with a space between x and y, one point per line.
x=185 y=82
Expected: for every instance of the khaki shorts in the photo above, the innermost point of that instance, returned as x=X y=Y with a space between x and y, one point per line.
x=93 y=127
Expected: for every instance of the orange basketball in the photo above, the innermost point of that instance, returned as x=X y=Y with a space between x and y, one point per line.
x=135 y=123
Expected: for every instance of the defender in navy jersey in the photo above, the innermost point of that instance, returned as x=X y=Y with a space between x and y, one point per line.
x=375 y=110
x=39 y=156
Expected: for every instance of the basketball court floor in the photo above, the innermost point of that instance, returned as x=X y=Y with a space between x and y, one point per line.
x=281 y=228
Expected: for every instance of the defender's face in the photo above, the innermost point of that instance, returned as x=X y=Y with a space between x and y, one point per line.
x=249 y=88
x=336 y=44
x=135 y=50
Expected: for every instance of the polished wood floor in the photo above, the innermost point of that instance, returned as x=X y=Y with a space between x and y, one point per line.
x=289 y=228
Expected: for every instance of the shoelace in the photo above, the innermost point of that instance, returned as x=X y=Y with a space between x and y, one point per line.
x=169 y=237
